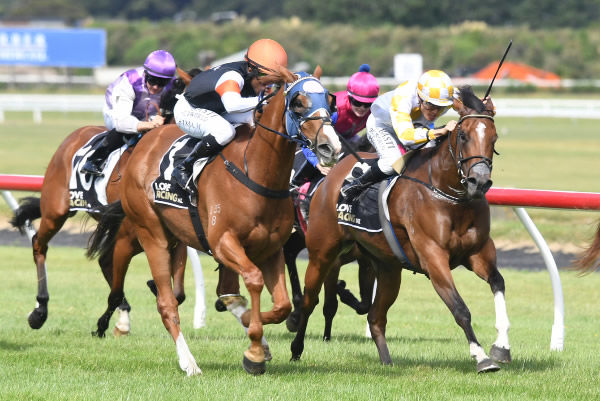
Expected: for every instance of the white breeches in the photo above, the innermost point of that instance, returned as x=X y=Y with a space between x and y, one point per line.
x=198 y=122
x=382 y=139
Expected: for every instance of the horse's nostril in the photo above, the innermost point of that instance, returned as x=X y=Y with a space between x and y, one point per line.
x=325 y=150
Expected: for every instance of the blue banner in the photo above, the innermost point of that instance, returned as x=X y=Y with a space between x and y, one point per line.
x=53 y=47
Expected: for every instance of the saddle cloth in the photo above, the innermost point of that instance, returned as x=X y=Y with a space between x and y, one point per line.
x=88 y=192
x=362 y=212
x=166 y=190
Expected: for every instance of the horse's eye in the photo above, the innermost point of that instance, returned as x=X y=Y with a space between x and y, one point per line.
x=300 y=103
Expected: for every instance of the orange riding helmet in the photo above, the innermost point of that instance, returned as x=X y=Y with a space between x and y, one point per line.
x=266 y=55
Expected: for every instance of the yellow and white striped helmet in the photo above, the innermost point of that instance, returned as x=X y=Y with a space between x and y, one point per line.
x=435 y=87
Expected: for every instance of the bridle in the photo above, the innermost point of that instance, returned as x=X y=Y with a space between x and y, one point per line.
x=456 y=155
x=293 y=121
x=459 y=160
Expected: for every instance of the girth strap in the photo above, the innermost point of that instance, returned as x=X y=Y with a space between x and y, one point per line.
x=388 y=231
x=198 y=229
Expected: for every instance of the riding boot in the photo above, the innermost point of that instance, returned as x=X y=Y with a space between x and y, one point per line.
x=182 y=170
x=111 y=141
x=355 y=187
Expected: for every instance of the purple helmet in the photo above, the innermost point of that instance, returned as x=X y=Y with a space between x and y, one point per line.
x=363 y=86
x=160 y=63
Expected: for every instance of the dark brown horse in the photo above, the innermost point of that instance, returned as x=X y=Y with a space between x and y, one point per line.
x=589 y=259
x=54 y=208
x=440 y=218
x=245 y=232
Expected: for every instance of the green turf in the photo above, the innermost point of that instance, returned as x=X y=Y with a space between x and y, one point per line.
x=62 y=361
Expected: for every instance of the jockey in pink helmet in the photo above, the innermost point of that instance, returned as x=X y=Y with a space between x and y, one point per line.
x=352 y=110
x=131 y=105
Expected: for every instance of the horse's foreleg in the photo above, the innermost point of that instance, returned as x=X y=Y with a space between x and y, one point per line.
x=230 y=299
x=484 y=265
x=313 y=281
x=230 y=252
x=388 y=286
x=441 y=279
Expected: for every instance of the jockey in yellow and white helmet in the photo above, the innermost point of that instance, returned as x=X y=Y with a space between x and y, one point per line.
x=406 y=114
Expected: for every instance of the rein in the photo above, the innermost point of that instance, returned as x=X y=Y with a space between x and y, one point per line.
x=298 y=138
x=458 y=161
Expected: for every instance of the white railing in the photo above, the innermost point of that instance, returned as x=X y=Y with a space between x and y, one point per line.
x=505 y=107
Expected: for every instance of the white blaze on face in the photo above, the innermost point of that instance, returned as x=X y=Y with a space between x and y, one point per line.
x=480 y=131
x=330 y=133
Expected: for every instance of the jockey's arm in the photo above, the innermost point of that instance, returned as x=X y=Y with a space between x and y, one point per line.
x=402 y=123
x=124 y=121
x=229 y=87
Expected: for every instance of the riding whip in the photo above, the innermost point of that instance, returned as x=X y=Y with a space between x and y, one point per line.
x=499 y=65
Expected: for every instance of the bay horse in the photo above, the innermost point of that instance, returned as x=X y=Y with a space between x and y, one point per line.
x=53 y=206
x=589 y=259
x=245 y=218
x=440 y=218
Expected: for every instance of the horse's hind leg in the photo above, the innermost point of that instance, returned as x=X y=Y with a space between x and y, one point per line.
x=50 y=224
x=484 y=265
x=117 y=263
x=388 y=286
x=330 y=302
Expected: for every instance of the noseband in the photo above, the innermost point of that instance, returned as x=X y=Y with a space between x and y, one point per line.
x=459 y=160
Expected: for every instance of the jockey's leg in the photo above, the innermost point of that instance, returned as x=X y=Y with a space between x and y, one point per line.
x=111 y=141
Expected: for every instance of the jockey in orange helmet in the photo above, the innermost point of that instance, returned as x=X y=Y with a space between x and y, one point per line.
x=220 y=97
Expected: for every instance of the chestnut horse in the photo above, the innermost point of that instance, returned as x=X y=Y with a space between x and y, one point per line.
x=53 y=206
x=441 y=220
x=245 y=232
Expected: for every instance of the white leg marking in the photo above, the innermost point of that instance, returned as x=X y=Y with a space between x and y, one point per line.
x=502 y=323
x=477 y=352
x=187 y=363
x=123 y=324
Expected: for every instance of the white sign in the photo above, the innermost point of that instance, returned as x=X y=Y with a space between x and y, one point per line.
x=407 y=66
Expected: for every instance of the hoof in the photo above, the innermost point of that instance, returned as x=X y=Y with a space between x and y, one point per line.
x=500 y=354
x=220 y=305
x=36 y=319
x=99 y=334
x=292 y=322
x=254 y=368
x=118 y=332
x=486 y=366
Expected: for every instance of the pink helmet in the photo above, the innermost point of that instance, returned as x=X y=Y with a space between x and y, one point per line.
x=363 y=86
x=160 y=63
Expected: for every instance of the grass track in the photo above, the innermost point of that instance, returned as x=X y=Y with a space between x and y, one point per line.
x=62 y=361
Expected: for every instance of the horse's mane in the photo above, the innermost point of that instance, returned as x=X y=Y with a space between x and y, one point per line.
x=279 y=76
x=470 y=99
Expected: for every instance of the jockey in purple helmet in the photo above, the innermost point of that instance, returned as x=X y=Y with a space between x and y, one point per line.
x=132 y=104
x=352 y=110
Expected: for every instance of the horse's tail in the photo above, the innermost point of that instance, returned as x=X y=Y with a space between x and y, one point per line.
x=102 y=241
x=29 y=210
x=589 y=259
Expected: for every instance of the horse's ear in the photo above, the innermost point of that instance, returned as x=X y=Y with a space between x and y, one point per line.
x=185 y=77
x=459 y=107
x=318 y=72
